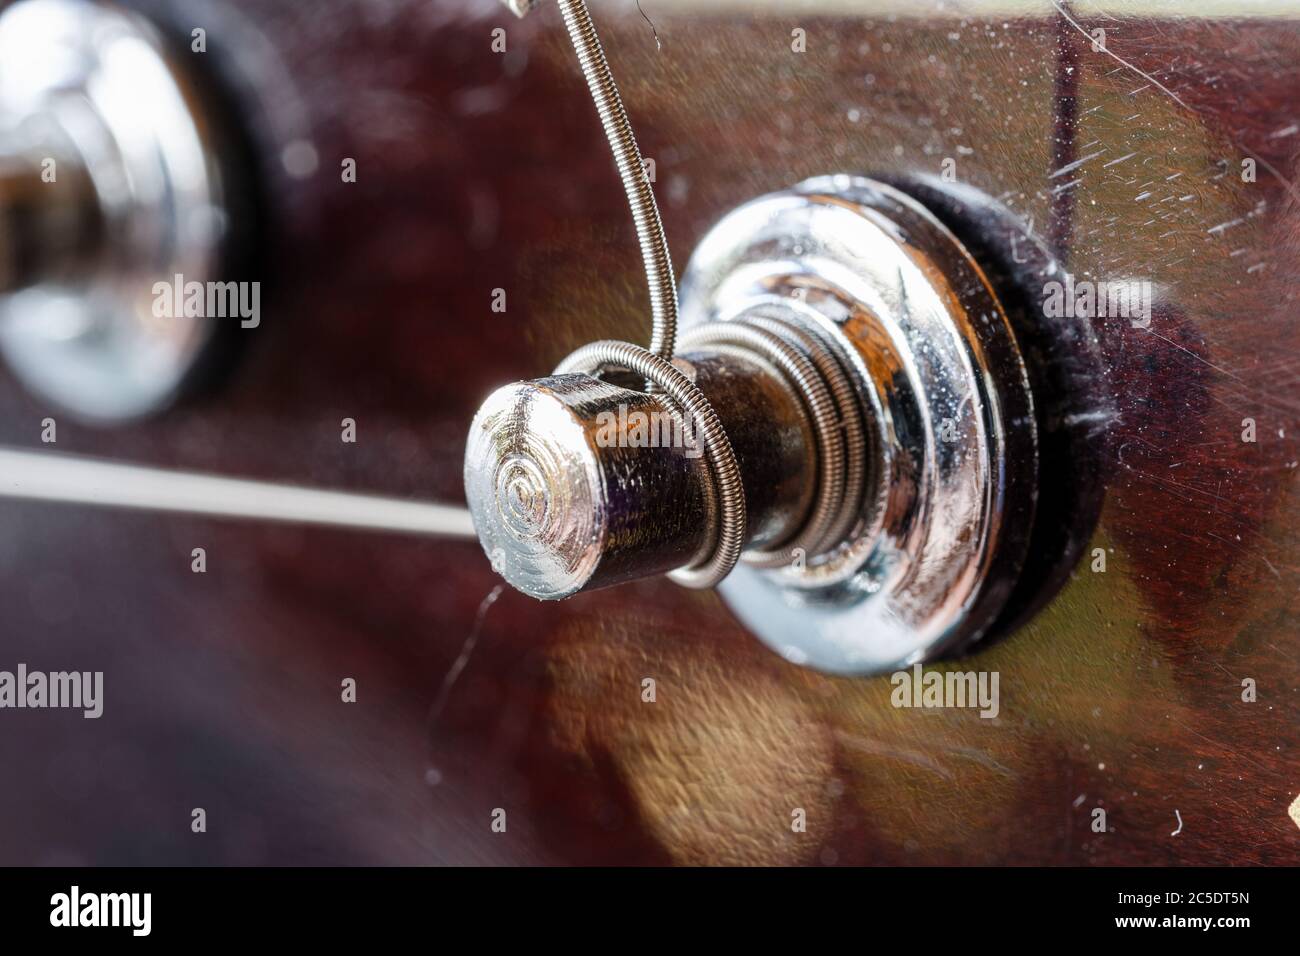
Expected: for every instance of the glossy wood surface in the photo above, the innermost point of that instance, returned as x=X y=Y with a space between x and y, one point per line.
x=479 y=171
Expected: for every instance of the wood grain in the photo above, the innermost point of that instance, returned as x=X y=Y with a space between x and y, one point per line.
x=479 y=171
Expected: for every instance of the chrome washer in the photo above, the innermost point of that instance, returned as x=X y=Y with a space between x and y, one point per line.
x=949 y=501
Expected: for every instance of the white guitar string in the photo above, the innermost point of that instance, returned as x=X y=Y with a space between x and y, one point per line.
x=44 y=476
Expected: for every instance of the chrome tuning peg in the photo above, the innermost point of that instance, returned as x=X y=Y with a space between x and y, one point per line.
x=876 y=405
x=112 y=184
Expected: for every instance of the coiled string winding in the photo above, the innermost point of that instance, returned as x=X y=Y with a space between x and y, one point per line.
x=655 y=364
x=727 y=490
x=800 y=353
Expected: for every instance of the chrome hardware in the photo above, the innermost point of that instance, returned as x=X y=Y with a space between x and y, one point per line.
x=878 y=408
x=109 y=184
x=949 y=499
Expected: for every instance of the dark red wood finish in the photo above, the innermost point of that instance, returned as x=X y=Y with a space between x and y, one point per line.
x=479 y=171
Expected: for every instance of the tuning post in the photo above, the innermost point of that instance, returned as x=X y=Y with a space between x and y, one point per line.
x=880 y=415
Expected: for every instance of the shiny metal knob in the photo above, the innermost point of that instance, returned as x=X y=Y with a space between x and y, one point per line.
x=575 y=483
x=111 y=182
x=893 y=311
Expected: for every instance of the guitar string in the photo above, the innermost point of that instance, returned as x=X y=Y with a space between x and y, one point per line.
x=70 y=479
x=632 y=172
x=726 y=488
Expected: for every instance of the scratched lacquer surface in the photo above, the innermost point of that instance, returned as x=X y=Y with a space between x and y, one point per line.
x=479 y=171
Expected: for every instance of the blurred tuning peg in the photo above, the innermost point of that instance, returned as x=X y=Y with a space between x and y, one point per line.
x=112 y=184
